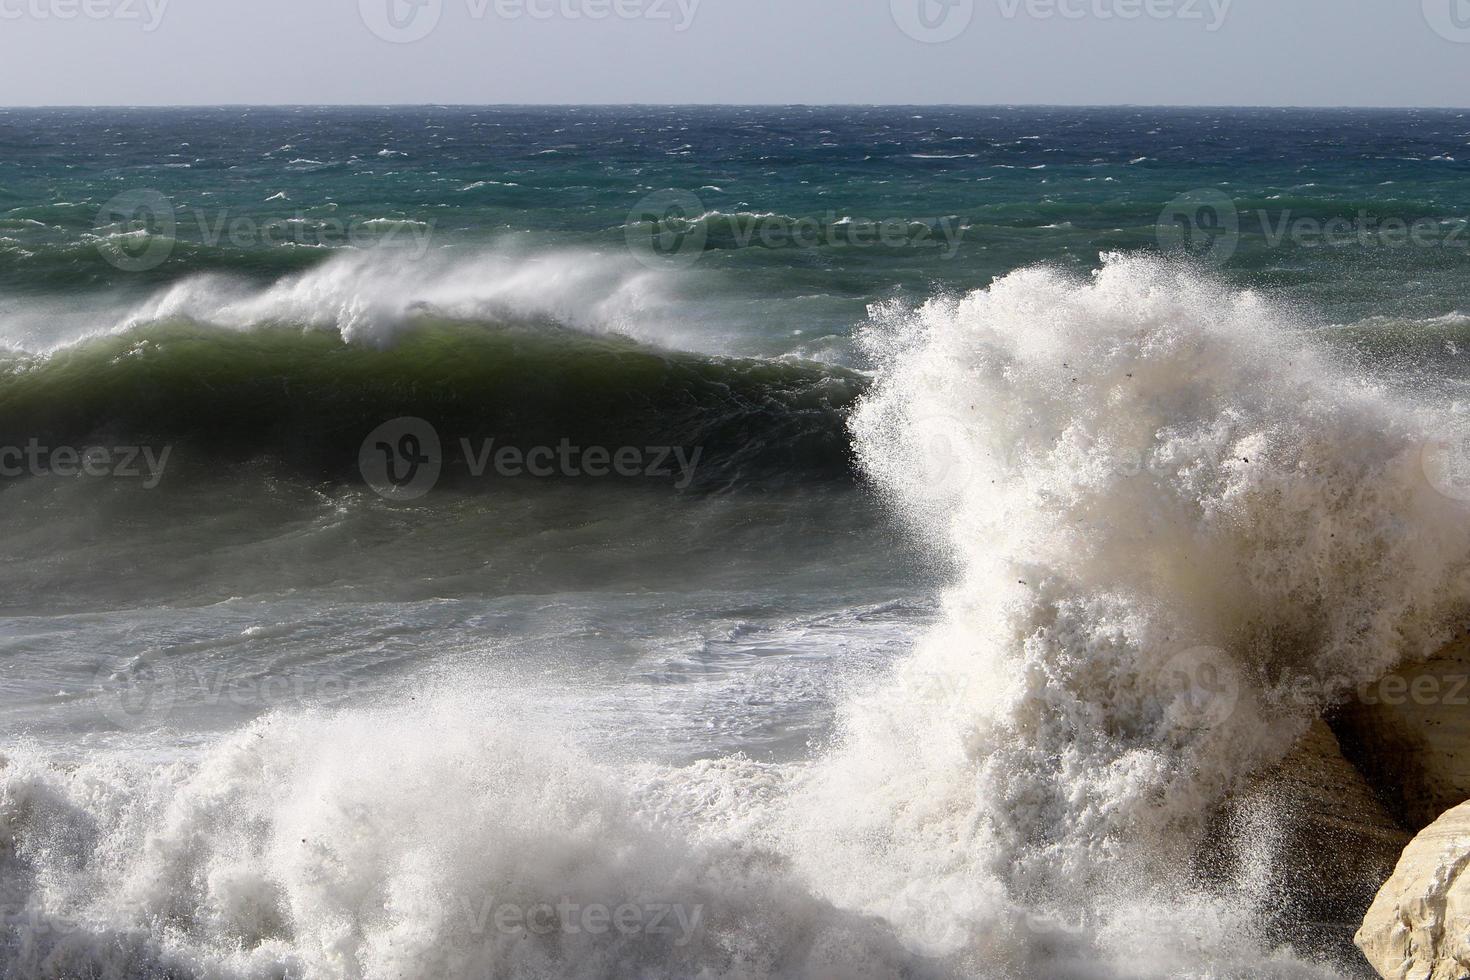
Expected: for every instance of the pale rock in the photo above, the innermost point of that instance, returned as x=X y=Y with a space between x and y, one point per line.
x=1418 y=928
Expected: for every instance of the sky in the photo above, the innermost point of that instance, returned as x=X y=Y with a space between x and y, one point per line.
x=1055 y=52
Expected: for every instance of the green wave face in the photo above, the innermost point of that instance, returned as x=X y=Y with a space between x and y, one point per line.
x=307 y=398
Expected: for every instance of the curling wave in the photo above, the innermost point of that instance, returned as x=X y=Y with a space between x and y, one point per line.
x=307 y=397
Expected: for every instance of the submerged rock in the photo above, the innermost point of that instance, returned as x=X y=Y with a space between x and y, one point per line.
x=1309 y=840
x=1418 y=928
x=1409 y=734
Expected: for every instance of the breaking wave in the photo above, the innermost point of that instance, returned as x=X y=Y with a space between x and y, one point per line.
x=1137 y=476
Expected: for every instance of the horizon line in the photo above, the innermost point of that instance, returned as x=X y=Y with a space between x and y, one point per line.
x=726 y=105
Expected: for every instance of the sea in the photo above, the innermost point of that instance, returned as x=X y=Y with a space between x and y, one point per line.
x=706 y=542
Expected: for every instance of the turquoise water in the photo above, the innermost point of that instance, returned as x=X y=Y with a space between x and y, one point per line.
x=997 y=189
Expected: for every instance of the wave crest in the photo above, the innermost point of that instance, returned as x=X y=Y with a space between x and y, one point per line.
x=1166 y=511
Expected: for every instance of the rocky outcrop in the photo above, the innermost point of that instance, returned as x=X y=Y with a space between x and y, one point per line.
x=1312 y=841
x=1315 y=838
x=1418 y=928
x=1409 y=734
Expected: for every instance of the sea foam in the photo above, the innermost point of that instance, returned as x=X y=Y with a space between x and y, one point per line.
x=370 y=294
x=1160 y=503
x=1171 y=518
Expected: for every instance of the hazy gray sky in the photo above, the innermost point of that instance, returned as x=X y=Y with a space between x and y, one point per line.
x=1241 y=52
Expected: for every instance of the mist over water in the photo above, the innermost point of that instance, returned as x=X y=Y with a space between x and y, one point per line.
x=888 y=687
